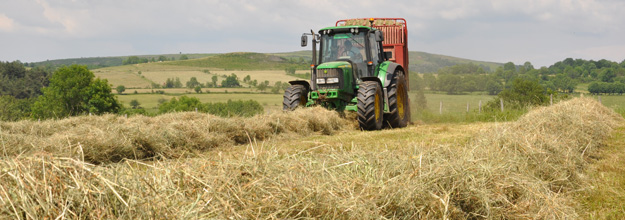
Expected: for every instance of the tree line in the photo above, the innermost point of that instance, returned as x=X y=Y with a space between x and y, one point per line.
x=74 y=90
x=563 y=76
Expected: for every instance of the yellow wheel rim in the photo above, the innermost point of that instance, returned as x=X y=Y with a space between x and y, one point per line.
x=302 y=100
x=378 y=110
x=401 y=96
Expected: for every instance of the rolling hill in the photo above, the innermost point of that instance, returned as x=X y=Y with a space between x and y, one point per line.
x=421 y=62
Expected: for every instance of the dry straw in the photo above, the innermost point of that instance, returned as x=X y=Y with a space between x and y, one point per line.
x=111 y=138
x=518 y=170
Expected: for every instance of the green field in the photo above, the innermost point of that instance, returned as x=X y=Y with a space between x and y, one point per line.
x=453 y=105
x=270 y=102
x=129 y=76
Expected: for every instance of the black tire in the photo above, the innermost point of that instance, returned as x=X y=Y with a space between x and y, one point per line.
x=370 y=106
x=294 y=96
x=398 y=102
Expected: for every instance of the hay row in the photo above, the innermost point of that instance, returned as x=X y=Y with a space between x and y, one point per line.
x=111 y=138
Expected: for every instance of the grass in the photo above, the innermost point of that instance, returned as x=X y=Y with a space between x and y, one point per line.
x=307 y=164
x=454 y=103
x=271 y=102
x=604 y=197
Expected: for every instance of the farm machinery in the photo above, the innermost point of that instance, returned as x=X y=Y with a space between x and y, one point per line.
x=361 y=66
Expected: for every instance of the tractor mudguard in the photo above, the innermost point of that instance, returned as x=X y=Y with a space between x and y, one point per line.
x=301 y=82
x=389 y=73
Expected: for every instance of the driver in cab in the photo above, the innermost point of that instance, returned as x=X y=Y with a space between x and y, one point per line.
x=353 y=53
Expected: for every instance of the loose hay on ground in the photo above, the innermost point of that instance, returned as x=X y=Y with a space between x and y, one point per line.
x=518 y=170
x=110 y=138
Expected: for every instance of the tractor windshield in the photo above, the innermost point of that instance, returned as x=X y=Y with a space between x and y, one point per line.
x=344 y=46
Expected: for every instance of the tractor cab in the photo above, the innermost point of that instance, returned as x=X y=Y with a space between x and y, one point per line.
x=355 y=46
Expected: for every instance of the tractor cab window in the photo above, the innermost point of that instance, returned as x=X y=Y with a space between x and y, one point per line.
x=345 y=46
x=374 y=49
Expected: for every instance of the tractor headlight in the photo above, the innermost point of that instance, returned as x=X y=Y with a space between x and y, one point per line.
x=332 y=80
x=321 y=81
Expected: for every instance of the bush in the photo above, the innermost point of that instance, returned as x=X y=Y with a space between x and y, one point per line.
x=227 y=109
x=523 y=93
x=13 y=109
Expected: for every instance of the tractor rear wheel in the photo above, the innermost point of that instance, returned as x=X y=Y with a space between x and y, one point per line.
x=398 y=104
x=370 y=106
x=294 y=96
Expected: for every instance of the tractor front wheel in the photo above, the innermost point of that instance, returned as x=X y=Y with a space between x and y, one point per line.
x=370 y=106
x=294 y=96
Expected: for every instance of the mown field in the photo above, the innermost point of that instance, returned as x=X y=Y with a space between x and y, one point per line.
x=558 y=162
x=158 y=73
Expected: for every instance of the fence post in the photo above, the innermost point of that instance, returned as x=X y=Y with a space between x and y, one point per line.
x=480 y=111
x=440 y=109
x=501 y=102
x=467 y=107
x=600 y=100
x=550 y=99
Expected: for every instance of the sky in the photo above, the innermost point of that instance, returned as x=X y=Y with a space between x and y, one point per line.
x=539 y=31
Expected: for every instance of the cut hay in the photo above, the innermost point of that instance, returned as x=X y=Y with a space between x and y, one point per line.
x=111 y=138
x=526 y=169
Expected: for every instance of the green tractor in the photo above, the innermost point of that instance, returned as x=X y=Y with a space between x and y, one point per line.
x=358 y=68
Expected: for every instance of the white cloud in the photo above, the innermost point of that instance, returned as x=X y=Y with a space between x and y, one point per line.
x=6 y=23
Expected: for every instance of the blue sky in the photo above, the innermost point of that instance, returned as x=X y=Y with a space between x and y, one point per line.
x=539 y=31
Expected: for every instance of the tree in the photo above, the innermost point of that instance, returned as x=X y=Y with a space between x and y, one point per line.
x=214 y=80
x=73 y=91
x=493 y=86
x=276 y=87
x=162 y=58
x=247 y=79
x=607 y=75
x=452 y=84
x=262 y=86
x=290 y=70
x=564 y=83
x=429 y=80
x=17 y=81
x=182 y=104
x=120 y=89
x=231 y=81
x=184 y=57
x=522 y=93
x=198 y=89
x=528 y=66
x=13 y=109
x=169 y=83
x=135 y=104
x=192 y=83
x=134 y=60
x=177 y=83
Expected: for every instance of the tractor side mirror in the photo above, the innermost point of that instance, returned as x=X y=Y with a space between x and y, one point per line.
x=379 y=37
x=304 y=40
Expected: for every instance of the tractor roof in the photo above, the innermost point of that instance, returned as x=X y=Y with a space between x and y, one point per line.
x=346 y=27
